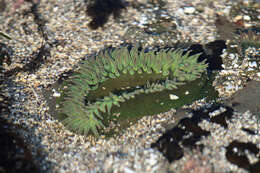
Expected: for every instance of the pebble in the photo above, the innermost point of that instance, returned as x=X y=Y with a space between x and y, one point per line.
x=56 y=94
x=252 y=64
x=128 y=170
x=246 y=17
x=173 y=97
x=189 y=10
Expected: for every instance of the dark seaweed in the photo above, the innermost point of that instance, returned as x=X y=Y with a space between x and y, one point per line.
x=187 y=132
x=38 y=19
x=249 y=131
x=236 y=154
x=210 y=52
x=100 y=10
x=39 y=57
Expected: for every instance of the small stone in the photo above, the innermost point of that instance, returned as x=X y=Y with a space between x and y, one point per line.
x=189 y=10
x=229 y=87
x=236 y=66
x=252 y=64
x=250 y=69
x=246 y=17
x=180 y=11
x=237 y=18
x=173 y=97
x=128 y=170
x=56 y=94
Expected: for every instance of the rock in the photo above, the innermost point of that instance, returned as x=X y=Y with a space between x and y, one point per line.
x=247 y=99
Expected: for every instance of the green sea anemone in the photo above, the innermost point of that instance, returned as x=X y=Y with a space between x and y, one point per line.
x=110 y=85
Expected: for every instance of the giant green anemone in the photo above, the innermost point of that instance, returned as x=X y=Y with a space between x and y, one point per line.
x=125 y=82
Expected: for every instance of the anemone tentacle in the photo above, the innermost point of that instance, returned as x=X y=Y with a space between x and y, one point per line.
x=116 y=76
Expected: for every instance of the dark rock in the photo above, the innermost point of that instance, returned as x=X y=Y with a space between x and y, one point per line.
x=247 y=99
